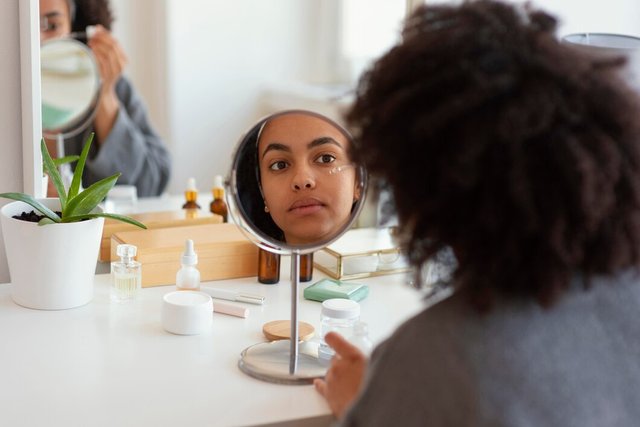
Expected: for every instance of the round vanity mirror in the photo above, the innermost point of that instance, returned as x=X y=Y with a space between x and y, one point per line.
x=293 y=189
x=70 y=86
x=293 y=186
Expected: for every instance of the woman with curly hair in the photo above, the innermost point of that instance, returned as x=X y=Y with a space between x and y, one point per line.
x=522 y=155
x=126 y=141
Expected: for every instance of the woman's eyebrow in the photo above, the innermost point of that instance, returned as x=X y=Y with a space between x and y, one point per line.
x=323 y=140
x=276 y=146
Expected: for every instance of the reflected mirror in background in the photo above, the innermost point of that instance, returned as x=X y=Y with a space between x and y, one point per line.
x=70 y=86
x=293 y=182
x=293 y=188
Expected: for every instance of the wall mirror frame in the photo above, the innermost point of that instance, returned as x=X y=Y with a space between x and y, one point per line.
x=300 y=144
x=30 y=99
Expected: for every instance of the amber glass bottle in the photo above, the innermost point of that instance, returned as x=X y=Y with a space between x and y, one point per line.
x=268 y=267
x=306 y=267
x=191 y=195
x=218 y=206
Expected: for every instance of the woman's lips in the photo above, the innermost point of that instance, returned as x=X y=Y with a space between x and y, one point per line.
x=306 y=206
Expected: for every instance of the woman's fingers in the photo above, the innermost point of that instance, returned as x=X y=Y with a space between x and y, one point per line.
x=342 y=347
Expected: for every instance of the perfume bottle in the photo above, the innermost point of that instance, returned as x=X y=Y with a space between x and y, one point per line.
x=268 y=267
x=191 y=195
x=126 y=274
x=218 y=206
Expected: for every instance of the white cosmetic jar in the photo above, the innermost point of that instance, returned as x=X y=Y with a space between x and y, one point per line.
x=186 y=312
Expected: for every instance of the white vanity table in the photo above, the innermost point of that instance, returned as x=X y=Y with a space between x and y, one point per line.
x=113 y=364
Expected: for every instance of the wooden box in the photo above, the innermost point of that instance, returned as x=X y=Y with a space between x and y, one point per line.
x=223 y=252
x=154 y=220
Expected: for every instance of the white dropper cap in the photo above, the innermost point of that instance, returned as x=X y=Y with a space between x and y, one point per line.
x=189 y=257
x=217 y=182
x=191 y=184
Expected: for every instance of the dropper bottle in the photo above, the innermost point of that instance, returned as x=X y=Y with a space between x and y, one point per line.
x=191 y=195
x=188 y=277
x=218 y=206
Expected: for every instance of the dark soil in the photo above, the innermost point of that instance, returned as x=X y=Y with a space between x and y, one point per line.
x=31 y=216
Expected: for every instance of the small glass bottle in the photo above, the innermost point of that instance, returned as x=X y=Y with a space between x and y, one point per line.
x=188 y=277
x=268 y=267
x=338 y=315
x=218 y=206
x=126 y=274
x=306 y=267
x=360 y=338
x=191 y=195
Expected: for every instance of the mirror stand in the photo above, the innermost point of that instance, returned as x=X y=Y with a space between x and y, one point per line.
x=285 y=361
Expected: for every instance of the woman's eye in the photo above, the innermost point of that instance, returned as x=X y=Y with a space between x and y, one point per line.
x=326 y=158
x=277 y=166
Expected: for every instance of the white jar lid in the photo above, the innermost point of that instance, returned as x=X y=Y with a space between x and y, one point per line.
x=340 y=308
x=186 y=312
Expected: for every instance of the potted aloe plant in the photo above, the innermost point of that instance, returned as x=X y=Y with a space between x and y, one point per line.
x=52 y=260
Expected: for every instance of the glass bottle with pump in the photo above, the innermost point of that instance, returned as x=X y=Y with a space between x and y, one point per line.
x=188 y=277
x=268 y=267
x=191 y=195
x=126 y=274
x=218 y=205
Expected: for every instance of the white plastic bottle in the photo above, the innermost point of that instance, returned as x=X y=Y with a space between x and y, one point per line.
x=188 y=277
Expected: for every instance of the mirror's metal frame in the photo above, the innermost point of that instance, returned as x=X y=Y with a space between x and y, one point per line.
x=271 y=245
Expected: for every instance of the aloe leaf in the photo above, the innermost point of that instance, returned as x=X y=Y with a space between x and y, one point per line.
x=65 y=159
x=51 y=169
x=86 y=201
x=34 y=203
x=45 y=221
x=105 y=215
x=77 y=174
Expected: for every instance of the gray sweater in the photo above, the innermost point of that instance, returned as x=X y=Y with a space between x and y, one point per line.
x=132 y=148
x=575 y=364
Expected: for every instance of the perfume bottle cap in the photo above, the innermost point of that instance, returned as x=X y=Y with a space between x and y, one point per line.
x=126 y=251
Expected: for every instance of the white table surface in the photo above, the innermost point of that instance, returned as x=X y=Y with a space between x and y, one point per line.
x=112 y=363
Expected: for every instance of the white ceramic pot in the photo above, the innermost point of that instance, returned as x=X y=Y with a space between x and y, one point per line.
x=51 y=266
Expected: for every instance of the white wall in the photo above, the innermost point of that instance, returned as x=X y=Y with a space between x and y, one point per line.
x=203 y=70
x=10 y=110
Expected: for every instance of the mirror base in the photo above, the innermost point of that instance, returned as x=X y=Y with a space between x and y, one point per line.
x=269 y=361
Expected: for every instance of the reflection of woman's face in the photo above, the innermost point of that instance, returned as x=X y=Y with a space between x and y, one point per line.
x=54 y=19
x=306 y=192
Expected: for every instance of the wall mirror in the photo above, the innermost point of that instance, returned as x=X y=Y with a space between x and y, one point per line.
x=70 y=85
x=293 y=189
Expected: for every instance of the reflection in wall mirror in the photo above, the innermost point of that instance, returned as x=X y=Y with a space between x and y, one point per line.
x=294 y=189
x=70 y=85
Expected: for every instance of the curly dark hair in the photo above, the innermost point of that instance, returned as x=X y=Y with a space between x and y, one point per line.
x=92 y=12
x=516 y=150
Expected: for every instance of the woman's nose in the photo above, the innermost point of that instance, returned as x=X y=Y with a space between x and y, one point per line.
x=303 y=180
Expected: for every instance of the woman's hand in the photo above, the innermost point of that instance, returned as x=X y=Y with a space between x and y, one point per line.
x=111 y=61
x=344 y=378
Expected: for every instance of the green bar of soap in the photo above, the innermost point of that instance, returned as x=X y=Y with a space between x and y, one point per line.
x=329 y=288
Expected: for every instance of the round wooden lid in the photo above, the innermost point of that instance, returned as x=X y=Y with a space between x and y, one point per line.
x=281 y=330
